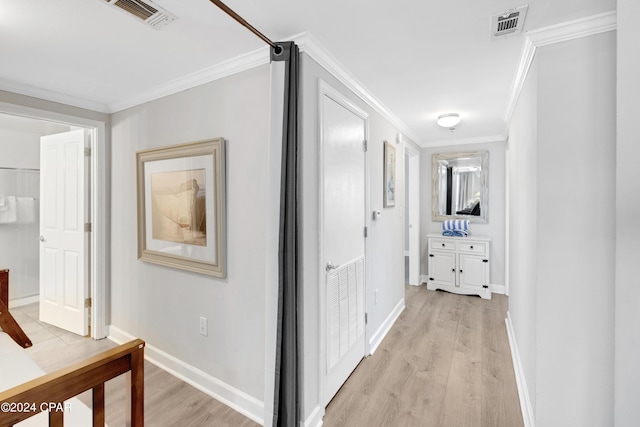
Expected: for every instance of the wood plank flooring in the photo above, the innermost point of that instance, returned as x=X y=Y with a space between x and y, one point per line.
x=445 y=363
x=168 y=400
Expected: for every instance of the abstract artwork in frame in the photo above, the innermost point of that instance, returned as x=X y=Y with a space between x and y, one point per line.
x=389 y=175
x=181 y=206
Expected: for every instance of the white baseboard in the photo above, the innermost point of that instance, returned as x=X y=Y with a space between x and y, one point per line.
x=382 y=331
x=523 y=391
x=19 y=302
x=495 y=289
x=230 y=396
x=498 y=289
x=315 y=419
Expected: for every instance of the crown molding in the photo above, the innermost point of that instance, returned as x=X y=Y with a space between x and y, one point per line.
x=49 y=95
x=305 y=42
x=576 y=29
x=309 y=45
x=563 y=32
x=464 y=141
x=232 y=66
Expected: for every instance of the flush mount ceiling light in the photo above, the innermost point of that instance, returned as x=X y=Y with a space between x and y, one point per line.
x=449 y=120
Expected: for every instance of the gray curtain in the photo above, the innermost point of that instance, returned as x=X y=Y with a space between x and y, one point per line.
x=286 y=407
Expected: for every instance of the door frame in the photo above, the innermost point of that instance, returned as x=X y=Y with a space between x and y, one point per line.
x=98 y=204
x=412 y=155
x=324 y=89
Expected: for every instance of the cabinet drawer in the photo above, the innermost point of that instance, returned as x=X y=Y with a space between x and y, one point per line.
x=479 y=248
x=442 y=244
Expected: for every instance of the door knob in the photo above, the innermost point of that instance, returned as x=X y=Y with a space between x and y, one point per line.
x=41 y=238
x=330 y=266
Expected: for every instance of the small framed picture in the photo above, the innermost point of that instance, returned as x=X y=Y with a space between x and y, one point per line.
x=389 y=175
x=181 y=206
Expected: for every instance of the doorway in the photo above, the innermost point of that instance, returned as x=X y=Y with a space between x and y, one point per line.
x=412 y=215
x=96 y=206
x=343 y=206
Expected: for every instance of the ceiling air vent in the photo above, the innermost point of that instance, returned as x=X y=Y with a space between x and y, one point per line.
x=145 y=11
x=508 y=22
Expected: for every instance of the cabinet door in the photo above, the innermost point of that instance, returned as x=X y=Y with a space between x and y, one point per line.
x=472 y=270
x=442 y=268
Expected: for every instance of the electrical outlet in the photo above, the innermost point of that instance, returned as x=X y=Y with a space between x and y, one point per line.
x=204 y=326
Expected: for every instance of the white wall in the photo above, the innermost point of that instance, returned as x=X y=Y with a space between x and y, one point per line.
x=523 y=226
x=385 y=242
x=19 y=176
x=494 y=228
x=19 y=149
x=162 y=305
x=576 y=242
x=565 y=337
x=627 y=334
x=19 y=244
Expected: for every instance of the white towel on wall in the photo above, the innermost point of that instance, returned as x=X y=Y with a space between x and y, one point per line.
x=8 y=214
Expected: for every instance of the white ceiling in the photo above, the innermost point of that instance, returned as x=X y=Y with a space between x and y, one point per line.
x=418 y=58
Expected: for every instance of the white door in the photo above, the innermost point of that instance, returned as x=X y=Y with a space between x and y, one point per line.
x=413 y=214
x=343 y=239
x=64 y=284
x=473 y=272
x=442 y=268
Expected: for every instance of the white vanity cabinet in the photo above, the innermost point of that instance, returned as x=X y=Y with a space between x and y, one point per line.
x=459 y=264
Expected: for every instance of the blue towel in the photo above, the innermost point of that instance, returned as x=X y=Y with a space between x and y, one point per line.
x=455 y=233
x=455 y=227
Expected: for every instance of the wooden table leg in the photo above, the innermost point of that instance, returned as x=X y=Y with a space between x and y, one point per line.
x=4 y=287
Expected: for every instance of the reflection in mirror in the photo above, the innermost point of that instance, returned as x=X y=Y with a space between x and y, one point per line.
x=460 y=187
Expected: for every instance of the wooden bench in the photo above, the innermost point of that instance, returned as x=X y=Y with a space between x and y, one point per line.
x=48 y=393
x=26 y=390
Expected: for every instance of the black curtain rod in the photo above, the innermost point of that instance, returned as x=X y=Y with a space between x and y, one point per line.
x=241 y=20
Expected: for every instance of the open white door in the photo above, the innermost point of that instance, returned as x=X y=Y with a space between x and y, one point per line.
x=413 y=210
x=343 y=238
x=64 y=284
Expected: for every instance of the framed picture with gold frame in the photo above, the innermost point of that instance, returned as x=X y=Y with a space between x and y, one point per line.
x=181 y=206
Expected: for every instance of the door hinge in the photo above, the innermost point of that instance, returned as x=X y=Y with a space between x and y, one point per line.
x=431 y=255
x=485 y=286
x=366 y=231
x=431 y=278
x=87 y=303
x=485 y=260
x=364 y=145
x=366 y=318
x=87 y=151
x=87 y=227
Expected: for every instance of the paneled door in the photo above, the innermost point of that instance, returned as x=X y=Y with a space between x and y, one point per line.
x=64 y=283
x=343 y=147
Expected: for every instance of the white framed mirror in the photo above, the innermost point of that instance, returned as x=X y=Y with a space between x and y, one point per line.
x=460 y=186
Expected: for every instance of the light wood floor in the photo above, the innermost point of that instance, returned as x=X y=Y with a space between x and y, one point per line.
x=168 y=401
x=445 y=363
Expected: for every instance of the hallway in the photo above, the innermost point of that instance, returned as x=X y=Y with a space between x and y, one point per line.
x=446 y=362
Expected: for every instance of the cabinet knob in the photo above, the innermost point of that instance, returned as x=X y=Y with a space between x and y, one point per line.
x=460 y=271
x=443 y=245
x=471 y=247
